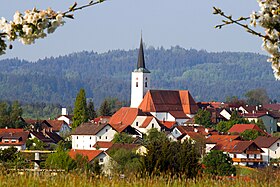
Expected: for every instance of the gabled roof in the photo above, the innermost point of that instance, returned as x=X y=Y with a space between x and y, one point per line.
x=265 y=142
x=147 y=121
x=179 y=115
x=195 y=136
x=125 y=117
x=56 y=124
x=102 y=144
x=255 y=115
x=274 y=107
x=235 y=146
x=89 y=129
x=219 y=138
x=91 y=154
x=47 y=136
x=168 y=100
x=239 y=128
x=168 y=124
x=18 y=134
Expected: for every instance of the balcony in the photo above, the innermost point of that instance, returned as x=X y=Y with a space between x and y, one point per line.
x=247 y=160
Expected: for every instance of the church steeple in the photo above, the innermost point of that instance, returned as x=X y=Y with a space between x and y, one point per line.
x=140 y=79
x=141 y=59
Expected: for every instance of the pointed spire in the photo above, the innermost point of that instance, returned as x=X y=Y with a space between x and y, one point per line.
x=141 y=60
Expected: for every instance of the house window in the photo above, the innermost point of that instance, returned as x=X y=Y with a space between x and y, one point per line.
x=13 y=141
x=77 y=137
x=278 y=144
x=275 y=152
x=101 y=160
x=106 y=130
x=6 y=141
x=146 y=84
x=89 y=145
x=137 y=123
x=99 y=137
x=136 y=84
x=176 y=132
x=255 y=156
x=77 y=145
x=90 y=137
x=153 y=125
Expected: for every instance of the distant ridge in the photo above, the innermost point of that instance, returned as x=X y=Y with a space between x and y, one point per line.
x=208 y=76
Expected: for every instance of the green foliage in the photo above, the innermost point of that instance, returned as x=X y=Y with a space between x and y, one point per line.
x=257 y=97
x=90 y=109
x=224 y=126
x=35 y=144
x=203 y=117
x=10 y=115
x=25 y=81
x=125 y=161
x=171 y=158
x=9 y=154
x=122 y=138
x=105 y=108
x=219 y=164
x=250 y=134
x=96 y=167
x=80 y=110
x=41 y=110
x=60 y=160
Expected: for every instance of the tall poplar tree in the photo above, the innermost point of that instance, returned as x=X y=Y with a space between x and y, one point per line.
x=80 y=110
x=91 y=111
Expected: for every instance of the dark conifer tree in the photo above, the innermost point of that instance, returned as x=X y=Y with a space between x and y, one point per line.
x=80 y=110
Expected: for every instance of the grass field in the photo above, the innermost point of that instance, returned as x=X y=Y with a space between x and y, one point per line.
x=14 y=179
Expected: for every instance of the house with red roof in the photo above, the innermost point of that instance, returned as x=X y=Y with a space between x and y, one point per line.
x=59 y=126
x=10 y=137
x=270 y=146
x=87 y=135
x=133 y=121
x=246 y=153
x=240 y=128
x=213 y=140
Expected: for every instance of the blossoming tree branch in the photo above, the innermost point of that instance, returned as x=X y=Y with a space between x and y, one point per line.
x=35 y=24
x=268 y=17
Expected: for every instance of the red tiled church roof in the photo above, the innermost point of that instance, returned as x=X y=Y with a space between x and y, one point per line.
x=168 y=100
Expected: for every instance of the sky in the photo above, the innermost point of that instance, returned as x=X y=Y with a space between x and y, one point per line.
x=117 y=24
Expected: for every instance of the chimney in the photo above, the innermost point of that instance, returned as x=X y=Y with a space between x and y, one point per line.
x=64 y=111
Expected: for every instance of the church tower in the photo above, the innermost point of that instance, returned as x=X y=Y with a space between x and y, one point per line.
x=140 y=80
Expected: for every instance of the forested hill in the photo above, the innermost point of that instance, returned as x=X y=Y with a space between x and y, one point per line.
x=208 y=76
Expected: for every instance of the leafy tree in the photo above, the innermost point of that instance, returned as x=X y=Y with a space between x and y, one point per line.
x=203 y=117
x=260 y=124
x=80 y=110
x=60 y=160
x=96 y=167
x=90 y=109
x=219 y=164
x=257 y=97
x=122 y=138
x=105 y=108
x=172 y=158
x=35 y=144
x=235 y=100
x=9 y=154
x=250 y=134
x=125 y=161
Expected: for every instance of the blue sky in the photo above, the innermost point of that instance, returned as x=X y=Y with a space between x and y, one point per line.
x=117 y=24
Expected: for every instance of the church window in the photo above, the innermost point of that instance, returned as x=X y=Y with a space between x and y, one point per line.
x=146 y=84
x=136 y=84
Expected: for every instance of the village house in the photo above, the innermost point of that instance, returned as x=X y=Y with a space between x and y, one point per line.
x=86 y=135
x=10 y=137
x=270 y=146
x=65 y=117
x=213 y=140
x=246 y=153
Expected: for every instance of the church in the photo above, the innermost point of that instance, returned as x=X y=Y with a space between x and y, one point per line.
x=149 y=108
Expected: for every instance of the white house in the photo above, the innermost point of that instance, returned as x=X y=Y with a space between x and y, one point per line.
x=86 y=135
x=270 y=146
